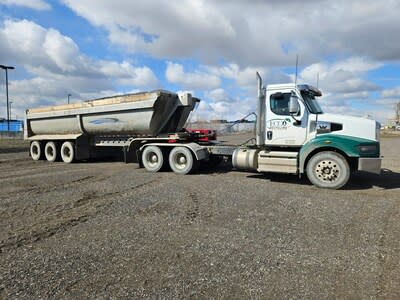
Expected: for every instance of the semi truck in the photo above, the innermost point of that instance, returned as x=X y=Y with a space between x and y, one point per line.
x=293 y=135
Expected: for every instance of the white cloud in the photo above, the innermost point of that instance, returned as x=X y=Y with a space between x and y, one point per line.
x=61 y=50
x=390 y=93
x=261 y=33
x=176 y=74
x=58 y=68
x=245 y=78
x=128 y=74
x=218 y=95
x=341 y=77
x=33 y=4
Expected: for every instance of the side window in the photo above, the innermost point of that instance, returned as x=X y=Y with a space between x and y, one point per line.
x=280 y=103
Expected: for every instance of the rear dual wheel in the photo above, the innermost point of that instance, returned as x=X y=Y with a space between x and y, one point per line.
x=68 y=152
x=181 y=159
x=152 y=158
x=36 y=151
x=51 y=151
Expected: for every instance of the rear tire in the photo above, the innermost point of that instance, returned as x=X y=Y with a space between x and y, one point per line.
x=35 y=150
x=50 y=151
x=181 y=160
x=328 y=170
x=68 y=152
x=152 y=158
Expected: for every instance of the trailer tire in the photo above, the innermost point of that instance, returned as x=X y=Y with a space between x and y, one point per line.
x=50 y=151
x=152 y=158
x=182 y=161
x=328 y=170
x=68 y=152
x=35 y=150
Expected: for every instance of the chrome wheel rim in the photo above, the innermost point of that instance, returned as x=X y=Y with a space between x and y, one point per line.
x=180 y=160
x=152 y=159
x=327 y=171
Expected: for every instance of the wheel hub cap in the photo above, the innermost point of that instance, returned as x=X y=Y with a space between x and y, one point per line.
x=327 y=170
x=154 y=158
x=182 y=160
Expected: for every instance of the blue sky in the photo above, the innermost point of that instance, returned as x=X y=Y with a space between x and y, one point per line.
x=98 y=48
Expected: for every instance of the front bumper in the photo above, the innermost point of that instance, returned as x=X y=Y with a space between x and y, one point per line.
x=372 y=165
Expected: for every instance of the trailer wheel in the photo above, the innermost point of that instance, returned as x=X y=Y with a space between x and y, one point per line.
x=35 y=150
x=68 y=152
x=152 y=158
x=50 y=151
x=328 y=170
x=181 y=160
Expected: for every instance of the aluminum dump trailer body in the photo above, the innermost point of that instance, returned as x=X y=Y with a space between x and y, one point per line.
x=141 y=114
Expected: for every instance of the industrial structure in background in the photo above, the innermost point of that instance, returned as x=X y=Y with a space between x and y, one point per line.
x=11 y=126
x=293 y=135
x=394 y=124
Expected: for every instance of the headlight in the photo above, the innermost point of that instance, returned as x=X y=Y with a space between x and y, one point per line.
x=368 y=149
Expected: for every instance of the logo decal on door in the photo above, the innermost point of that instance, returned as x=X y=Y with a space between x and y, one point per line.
x=281 y=124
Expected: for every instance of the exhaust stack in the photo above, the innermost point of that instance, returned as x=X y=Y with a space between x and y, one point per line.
x=260 y=125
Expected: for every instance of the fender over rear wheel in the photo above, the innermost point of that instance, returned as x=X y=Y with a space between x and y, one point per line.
x=328 y=170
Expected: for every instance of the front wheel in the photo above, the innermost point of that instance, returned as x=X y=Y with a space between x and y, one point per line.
x=328 y=170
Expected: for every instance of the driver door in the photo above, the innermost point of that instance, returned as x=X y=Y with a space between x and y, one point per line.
x=281 y=128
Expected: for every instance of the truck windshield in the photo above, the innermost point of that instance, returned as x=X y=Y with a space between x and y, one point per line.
x=311 y=103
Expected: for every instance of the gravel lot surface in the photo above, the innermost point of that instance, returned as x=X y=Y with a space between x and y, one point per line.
x=107 y=229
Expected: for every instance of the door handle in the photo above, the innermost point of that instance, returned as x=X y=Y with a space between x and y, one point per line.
x=269 y=135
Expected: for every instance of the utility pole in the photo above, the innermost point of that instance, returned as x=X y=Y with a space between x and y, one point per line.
x=11 y=102
x=6 y=68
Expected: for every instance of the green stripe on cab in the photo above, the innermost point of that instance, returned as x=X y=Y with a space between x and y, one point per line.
x=350 y=145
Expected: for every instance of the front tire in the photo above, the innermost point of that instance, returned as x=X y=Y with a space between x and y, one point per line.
x=152 y=158
x=328 y=170
x=181 y=160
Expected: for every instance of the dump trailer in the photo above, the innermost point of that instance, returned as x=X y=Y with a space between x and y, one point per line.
x=293 y=135
x=78 y=131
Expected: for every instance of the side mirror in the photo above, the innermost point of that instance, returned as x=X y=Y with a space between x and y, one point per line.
x=294 y=106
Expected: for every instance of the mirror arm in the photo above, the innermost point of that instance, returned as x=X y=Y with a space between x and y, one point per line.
x=296 y=122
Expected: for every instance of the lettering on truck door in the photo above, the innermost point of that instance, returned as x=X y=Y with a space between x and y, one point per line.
x=281 y=128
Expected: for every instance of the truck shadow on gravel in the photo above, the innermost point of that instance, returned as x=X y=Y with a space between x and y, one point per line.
x=282 y=178
x=358 y=181
x=387 y=180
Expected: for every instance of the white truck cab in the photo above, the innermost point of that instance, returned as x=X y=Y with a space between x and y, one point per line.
x=295 y=136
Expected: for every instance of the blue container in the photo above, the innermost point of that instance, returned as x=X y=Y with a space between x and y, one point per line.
x=15 y=125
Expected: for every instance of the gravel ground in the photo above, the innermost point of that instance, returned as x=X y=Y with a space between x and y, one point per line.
x=111 y=230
